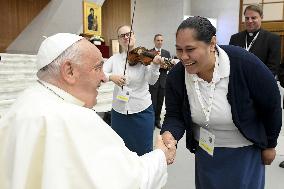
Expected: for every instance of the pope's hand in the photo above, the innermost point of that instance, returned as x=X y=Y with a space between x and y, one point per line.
x=171 y=143
x=169 y=152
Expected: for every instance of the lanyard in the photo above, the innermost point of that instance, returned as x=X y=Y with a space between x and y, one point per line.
x=251 y=43
x=206 y=111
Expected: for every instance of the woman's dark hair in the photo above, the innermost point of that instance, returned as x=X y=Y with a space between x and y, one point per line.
x=204 y=30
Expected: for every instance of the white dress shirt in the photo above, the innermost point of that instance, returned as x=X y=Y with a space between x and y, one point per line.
x=138 y=78
x=221 y=122
x=158 y=50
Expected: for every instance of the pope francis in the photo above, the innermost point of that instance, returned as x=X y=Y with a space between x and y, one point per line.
x=52 y=139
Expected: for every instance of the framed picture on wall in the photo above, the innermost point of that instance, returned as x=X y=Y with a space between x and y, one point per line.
x=92 y=21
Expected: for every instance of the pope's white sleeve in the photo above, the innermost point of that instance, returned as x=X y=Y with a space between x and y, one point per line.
x=154 y=174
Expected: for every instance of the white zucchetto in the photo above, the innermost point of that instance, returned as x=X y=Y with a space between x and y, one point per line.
x=53 y=46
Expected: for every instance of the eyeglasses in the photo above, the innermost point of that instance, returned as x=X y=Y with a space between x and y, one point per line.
x=123 y=35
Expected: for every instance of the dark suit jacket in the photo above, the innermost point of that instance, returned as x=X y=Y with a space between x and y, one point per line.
x=267 y=47
x=163 y=72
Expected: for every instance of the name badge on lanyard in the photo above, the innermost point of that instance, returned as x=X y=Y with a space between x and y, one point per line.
x=123 y=94
x=251 y=43
x=207 y=141
x=206 y=138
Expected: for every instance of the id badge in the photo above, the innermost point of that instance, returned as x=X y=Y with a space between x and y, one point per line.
x=206 y=141
x=123 y=94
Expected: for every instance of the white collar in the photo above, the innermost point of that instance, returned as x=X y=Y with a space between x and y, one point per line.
x=156 y=49
x=62 y=94
x=224 y=63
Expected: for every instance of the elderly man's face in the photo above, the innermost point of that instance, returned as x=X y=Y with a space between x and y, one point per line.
x=90 y=73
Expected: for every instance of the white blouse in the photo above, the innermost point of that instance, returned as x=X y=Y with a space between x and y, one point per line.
x=220 y=120
x=138 y=78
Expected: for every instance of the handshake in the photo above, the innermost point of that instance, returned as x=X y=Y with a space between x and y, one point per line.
x=167 y=144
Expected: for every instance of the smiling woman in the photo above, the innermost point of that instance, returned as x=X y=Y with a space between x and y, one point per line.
x=195 y=47
x=216 y=95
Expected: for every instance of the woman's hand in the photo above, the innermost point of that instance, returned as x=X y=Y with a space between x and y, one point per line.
x=119 y=80
x=170 y=143
x=170 y=151
x=268 y=155
x=158 y=60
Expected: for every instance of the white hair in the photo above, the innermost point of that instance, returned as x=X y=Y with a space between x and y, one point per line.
x=52 y=70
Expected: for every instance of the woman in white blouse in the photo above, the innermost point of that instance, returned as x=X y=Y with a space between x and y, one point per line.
x=218 y=96
x=132 y=115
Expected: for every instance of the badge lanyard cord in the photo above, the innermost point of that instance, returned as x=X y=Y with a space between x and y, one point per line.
x=251 y=43
x=206 y=111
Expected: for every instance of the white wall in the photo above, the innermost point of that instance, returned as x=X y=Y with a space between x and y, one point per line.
x=157 y=16
x=57 y=16
x=186 y=7
x=164 y=16
x=151 y=17
x=226 y=12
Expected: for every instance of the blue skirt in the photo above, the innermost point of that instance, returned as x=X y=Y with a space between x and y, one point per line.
x=135 y=129
x=229 y=168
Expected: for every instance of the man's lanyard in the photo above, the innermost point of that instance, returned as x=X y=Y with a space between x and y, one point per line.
x=251 y=43
x=207 y=110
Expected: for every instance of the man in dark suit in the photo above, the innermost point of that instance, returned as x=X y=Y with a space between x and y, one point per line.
x=264 y=44
x=158 y=89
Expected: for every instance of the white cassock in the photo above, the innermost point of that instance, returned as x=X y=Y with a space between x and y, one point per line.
x=50 y=143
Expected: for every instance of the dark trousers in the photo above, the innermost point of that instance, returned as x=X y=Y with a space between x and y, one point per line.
x=157 y=96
